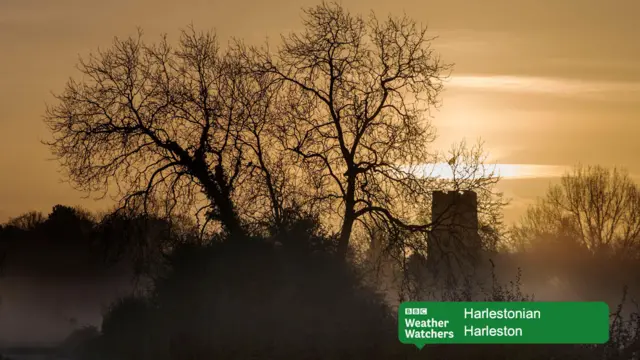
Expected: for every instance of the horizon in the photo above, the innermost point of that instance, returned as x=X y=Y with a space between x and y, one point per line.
x=513 y=173
x=521 y=184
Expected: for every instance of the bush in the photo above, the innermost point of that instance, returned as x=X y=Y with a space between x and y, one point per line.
x=254 y=298
x=79 y=344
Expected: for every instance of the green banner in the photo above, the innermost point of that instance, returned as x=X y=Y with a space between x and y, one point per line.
x=422 y=323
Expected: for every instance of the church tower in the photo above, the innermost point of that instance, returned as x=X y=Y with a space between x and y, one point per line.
x=454 y=244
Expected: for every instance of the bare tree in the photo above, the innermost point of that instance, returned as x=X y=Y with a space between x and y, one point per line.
x=463 y=167
x=468 y=169
x=270 y=186
x=28 y=221
x=336 y=121
x=595 y=207
x=357 y=94
x=162 y=123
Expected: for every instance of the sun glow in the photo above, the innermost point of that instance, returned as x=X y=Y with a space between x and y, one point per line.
x=504 y=171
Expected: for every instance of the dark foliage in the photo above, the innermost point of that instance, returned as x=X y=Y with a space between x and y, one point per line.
x=254 y=298
x=79 y=343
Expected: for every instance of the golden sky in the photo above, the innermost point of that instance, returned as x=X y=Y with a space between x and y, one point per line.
x=547 y=82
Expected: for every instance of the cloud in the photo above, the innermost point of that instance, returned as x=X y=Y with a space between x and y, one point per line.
x=542 y=85
x=529 y=171
x=505 y=171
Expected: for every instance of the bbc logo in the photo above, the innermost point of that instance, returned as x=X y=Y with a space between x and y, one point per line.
x=415 y=311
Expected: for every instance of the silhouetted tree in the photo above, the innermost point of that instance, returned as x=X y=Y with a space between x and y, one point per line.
x=28 y=221
x=157 y=122
x=593 y=208
x=357 y=92
x=69 y=224
x=271 y=183
x=72 y=241
x=465 y=170
x=336 y=120
x=143 y=239
x=470 y=171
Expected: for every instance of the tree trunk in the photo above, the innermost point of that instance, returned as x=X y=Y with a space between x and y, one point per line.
x=349 y=219
x=345 y=234
x=230 y=219
x=220 y=199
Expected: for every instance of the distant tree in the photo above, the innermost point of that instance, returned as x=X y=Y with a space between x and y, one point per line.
x=69 y=224
x=593 y=208
x=357 y=92
x=142 y=238
x=28 y=221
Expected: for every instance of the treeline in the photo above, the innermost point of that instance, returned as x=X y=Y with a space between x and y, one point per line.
x=583 y=236
x=290 y=296
x=71 y=241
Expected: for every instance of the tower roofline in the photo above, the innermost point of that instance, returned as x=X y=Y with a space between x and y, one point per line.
x=452 y=192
